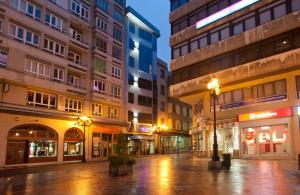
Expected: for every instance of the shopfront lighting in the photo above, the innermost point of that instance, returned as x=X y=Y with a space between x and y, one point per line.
x=164 y=127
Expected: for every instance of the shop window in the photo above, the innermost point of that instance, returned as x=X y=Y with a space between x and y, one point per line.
x=40 y=142
x=73 y=143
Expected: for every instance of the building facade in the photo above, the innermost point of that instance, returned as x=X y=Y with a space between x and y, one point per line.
x=252 y=48
x=143 y=82
x=179 y=121
x=60 y=60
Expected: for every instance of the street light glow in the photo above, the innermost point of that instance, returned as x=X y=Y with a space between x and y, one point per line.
x=214 y=84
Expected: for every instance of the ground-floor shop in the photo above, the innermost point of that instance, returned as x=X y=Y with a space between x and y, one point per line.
x=33 y=139
x=257 y=135
x=174 y=142
x=141 y=144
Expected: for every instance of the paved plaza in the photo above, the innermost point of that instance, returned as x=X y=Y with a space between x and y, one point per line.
x=156 y=175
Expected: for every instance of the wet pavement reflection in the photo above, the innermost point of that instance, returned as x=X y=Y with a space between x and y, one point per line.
x=157 y=175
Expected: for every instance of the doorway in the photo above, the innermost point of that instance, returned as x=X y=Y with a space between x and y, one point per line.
x=16 y=152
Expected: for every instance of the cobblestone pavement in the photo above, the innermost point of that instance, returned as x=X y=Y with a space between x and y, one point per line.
x=156 y=175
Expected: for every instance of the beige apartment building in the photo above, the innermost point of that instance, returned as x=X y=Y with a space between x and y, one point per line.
x=60 y=60
x=252 y=48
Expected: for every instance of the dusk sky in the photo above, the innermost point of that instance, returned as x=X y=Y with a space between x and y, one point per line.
x=156 y=12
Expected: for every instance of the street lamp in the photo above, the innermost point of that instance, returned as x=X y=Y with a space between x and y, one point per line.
x=83 y=121
x=214 y=89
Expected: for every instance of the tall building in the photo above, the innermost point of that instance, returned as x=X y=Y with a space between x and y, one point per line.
x=60 y=60
x=252 y=48
x=143 y=82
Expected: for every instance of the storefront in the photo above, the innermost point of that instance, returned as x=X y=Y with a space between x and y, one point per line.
x=31 y=144
x=103 y=140
x=140 y=144
x=267 y=134
x=227 y=137
x=173 y=142
x=73 y=144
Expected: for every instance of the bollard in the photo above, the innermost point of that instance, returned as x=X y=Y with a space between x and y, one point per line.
x=226 y=161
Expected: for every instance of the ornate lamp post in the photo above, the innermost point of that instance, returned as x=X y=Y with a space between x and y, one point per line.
x=214 y=89
x=83 y=121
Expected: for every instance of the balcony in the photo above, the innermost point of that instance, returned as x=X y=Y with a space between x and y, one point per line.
x=77 y=41
x=77 y=64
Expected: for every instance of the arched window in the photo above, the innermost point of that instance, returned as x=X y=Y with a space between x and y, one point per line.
x=73 y=144
x=31 y=143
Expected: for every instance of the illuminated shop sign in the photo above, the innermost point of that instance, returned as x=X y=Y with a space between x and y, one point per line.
x=250 y=102
x=265 y=115
x=225 y=12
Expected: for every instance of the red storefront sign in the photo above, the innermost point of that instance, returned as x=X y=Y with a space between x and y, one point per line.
x=106 y=129
x=265 y=114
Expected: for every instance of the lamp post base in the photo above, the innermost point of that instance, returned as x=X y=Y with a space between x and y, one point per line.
x=83 y=160
x=214 y=165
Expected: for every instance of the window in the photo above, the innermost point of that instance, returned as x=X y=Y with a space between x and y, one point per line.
x=144 y=84
x=3 y=58
x=75 y=34
x=280 y=11
x=117 y=52
x=175 y=4
x=73 y=105
x=145 y=58
x=162 y=74
x=23 y=35
x=131 y=27
x=162 y=106
x=162 y=90
x=130 y=116
x=112 y=112
x=97 y=109
x=58 y=74
x=145 y=118
x=30 y=9
x=80 y=10
x=100 y=65
x=37 y=68
x=54 y=47
x=120 y=2
x=101 y=44
x=101 y=24
x=295 y=5
x=103 y=4
x=214 y=37
x=118 y=15
x=44 y=100
x=117 y=33
x=99 y=86
x=130 y=97
x=116 y=72
x=55 y=22
x=131 y=44
x=145 y=101
x=115 y=91
x=74 y=57
x=74 y=80
x=265 y=16
x=130 y=79
x=147 y=36
x=131 y=62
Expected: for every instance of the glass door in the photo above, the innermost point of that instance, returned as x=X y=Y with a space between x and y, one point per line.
x=265 y=142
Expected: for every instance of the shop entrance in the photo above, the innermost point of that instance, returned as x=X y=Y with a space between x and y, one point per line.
x=266 y=141
x=16 y=152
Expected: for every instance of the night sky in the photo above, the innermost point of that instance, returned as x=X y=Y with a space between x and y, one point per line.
x=156 y=12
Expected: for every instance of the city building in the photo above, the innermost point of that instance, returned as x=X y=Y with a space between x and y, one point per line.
x=252 y=48
x=176 y=137
x=60 y=60
x=143 y=82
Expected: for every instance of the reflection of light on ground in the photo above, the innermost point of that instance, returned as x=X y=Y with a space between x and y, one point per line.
x=164 y=173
